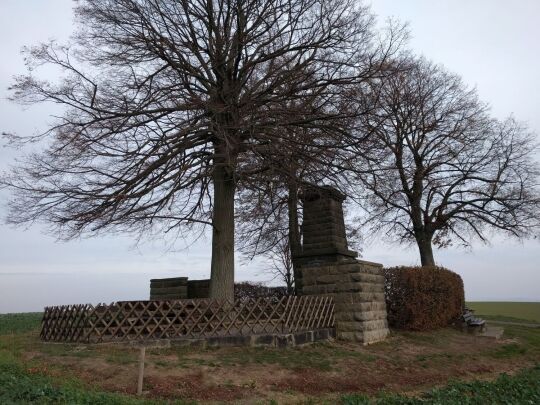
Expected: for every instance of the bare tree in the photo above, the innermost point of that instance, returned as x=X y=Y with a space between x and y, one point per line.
x=165 y=101
x=269 y=202
x=438 y=168
x=281 y=264
x=269 y=207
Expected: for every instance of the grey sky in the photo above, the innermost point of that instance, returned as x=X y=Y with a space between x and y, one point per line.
x=492 y=44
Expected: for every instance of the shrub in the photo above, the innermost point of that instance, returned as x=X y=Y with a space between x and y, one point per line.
x=247 y=290
x=423 y=298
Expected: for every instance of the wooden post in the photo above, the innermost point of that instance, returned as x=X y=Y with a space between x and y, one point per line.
x=142 y=355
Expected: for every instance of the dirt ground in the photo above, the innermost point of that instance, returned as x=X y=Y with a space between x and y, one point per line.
x=405 y=362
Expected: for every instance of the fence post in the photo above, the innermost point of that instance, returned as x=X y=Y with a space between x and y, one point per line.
x=142 y=355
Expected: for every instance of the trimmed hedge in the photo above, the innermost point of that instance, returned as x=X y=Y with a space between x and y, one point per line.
x=423 y=298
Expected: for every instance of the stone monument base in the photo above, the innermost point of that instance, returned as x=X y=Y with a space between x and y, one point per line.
x=357 y=287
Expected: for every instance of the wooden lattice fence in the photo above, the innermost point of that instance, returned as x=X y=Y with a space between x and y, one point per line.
x=191 y=319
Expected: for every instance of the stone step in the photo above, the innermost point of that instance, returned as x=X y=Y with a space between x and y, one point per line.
x=492 y=332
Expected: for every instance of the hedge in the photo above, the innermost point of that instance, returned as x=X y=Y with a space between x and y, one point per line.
x=248 y=290
x=423 y=298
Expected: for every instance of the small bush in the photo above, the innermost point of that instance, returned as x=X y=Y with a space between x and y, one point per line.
x=423 y=298
x=246 y=290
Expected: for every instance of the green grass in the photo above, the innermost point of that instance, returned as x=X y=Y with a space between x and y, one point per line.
x=319 y=356
x=516 y=311
x=27 y=385
x=38 y=380
x=18 y=323
x=522 y=388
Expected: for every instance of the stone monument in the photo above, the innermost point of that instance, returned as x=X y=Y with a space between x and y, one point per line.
x=327 y=266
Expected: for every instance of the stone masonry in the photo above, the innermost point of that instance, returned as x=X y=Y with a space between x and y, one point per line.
x=329 y=267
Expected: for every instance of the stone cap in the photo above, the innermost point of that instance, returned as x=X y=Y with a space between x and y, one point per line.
x=327 y=252
x=312 y=193
x=169 y=279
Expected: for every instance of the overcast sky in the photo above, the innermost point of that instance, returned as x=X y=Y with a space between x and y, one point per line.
x=493 y=44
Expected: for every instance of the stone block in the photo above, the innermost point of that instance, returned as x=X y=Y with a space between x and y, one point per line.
x=263 y=340
x=219 y=341
x=357 y=297
x=329 y=279
x=354 y=326
x=374 y=336
x=180 y=290
x=368 y=297
x=313 y=289
x=360 y=306
x=302 y=338
x=168 y=282
x=365 y=338
x=321 y=334
x=359 y=287
x=367 y=278
x=284 y=340
x=361 y=316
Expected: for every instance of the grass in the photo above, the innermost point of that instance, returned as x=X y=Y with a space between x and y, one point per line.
x=511 y=311
x=522 y=388
x=36 y=372
x=319 y=356
x=31 y=385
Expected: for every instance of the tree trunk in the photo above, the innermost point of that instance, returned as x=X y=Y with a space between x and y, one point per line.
x=294 y=235
x=222 y=270
x=426 y=250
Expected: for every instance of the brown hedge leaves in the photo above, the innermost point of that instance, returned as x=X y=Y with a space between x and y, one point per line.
x=423 y=298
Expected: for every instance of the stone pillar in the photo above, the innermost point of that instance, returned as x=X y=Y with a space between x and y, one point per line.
x=174 y=288
x=329 y=267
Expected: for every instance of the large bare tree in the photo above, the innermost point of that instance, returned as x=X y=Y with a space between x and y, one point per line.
x=164 y=99
x=438 y=169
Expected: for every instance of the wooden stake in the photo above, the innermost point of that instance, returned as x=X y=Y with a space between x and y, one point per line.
x=142 y=355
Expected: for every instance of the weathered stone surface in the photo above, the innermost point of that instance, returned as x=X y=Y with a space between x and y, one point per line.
x=354 y=297
x=361 y=306
x=166 y=297
x=361 y=316
x=341 y=269
x=182 y=290
x=198 y=288
x=328 y=267
x=284 y=340
x=220 y=341
x=374 y=336
x=365 y=338
x=359 y=287
x=168 y=282
x=301 y=338
x=323 y=334
x=328 y=279
x=326 y=275
x=367 y=278
x=314 y=289
x=353 y=326
x=263 y=340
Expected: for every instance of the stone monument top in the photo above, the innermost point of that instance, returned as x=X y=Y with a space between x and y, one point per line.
x=323 y=227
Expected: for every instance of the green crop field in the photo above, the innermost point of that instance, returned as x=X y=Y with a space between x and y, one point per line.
x=528 y=311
